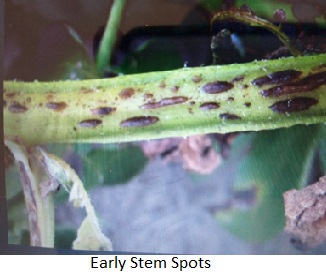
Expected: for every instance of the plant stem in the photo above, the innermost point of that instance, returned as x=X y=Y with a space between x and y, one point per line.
x=168 y=104
x=109 y=36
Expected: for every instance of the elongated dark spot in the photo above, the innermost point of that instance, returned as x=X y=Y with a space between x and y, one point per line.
x=15 y=107
x=230 y=99
x=90 y=123
x=57 y=106
x=127 y=93
x=197 y=79
x=228 y=116
x=306 y=84
x=277 y=78
x=217 y=87
x=209 y=106
x=165 y=102
x=293 y=105
x=101 y=111
x=247 y=104
x=238 y=78
x=139 y=121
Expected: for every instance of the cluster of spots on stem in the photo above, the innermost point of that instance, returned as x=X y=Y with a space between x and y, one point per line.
x=102 y=111
x=57 y=106
x=139 y=121
x=127 y=93
x=15 y=107
x=305 y=84
x=217 y=87
x=165 y=102
x=90 y=123
x=277 y=78
x=293 y=105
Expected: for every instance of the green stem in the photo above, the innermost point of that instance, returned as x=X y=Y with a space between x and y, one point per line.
x=109 y=36
x=168 y=104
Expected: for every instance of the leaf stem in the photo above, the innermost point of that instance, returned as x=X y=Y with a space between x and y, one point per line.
x=109 y=36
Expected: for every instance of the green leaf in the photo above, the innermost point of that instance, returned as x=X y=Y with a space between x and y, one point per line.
x=104 y=166
x=276 y=161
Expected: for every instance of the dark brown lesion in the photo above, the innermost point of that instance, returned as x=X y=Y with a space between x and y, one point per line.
x=57 y=106
x=293 y=105
x=103 y=111
x=217 y=87
x=209 y=106
x=15 y=107
x=229 y=116
x=277 y=78
x=165 y=102
x=238 y=78
x=305 y=84
x=127 y=93
x=90 y=123
x=139 y=121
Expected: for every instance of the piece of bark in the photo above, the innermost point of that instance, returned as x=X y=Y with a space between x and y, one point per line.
x=198 y=156
x=305 y=212
x=195 y=152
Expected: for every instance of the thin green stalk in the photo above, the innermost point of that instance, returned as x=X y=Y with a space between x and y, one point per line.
x=249 y=18
x=109 y=36
x=168 y=104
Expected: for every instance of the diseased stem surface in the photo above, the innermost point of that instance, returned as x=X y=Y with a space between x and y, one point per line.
x=239 y=97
